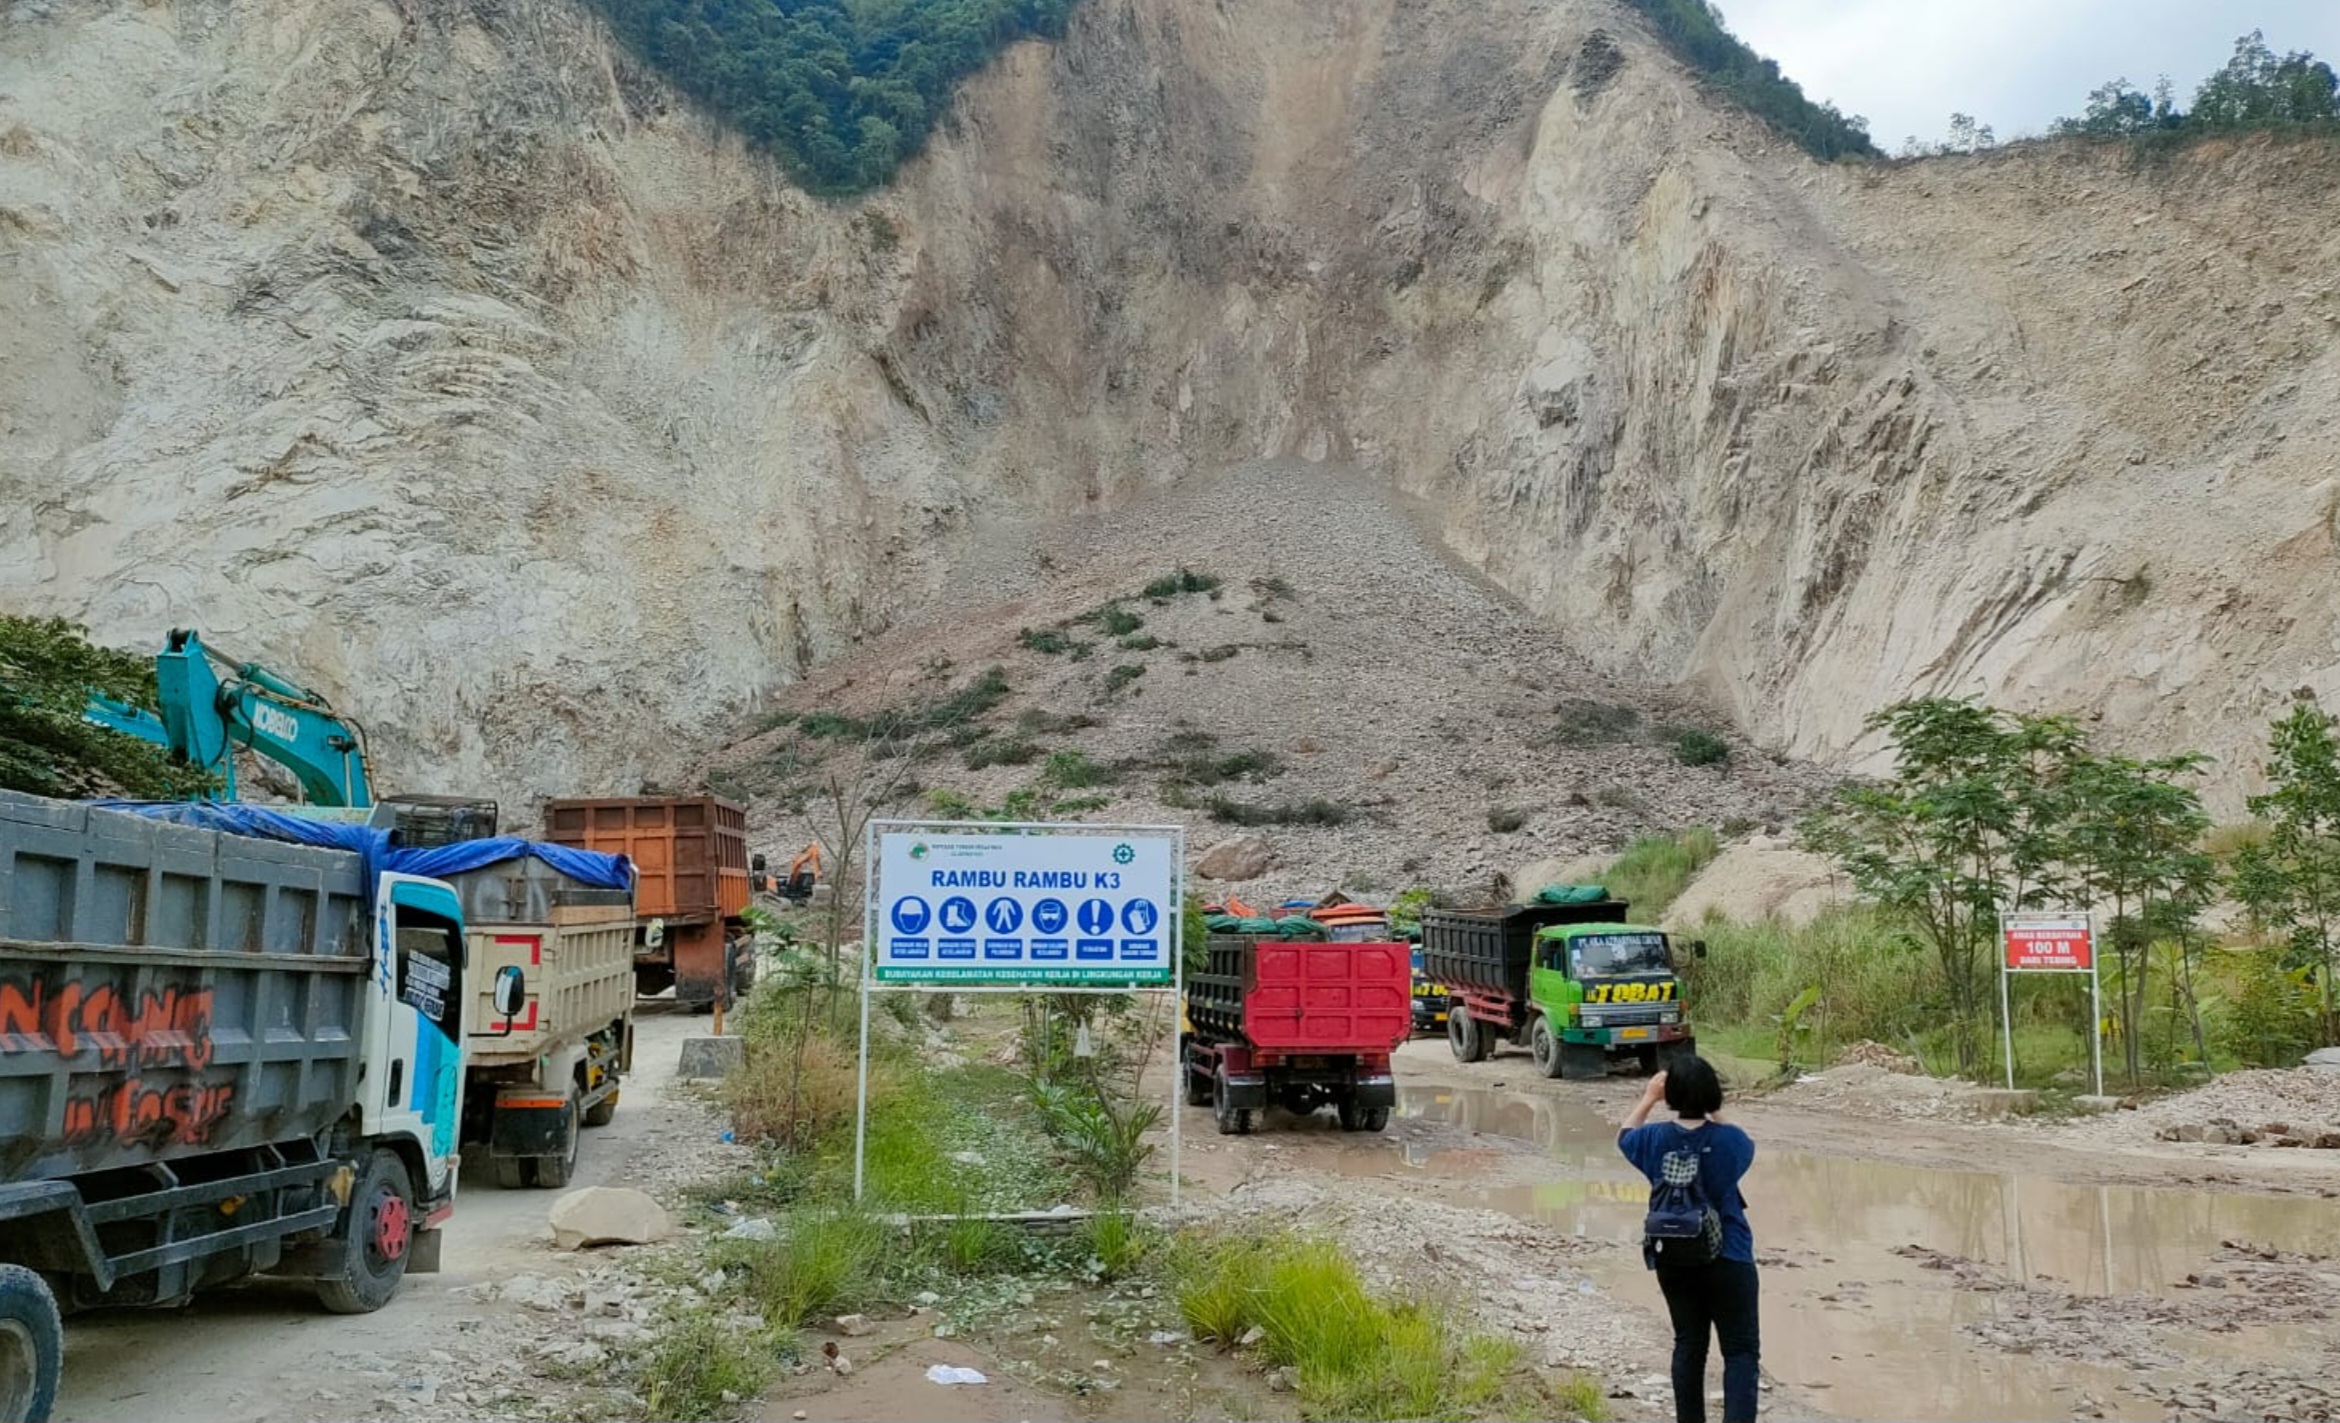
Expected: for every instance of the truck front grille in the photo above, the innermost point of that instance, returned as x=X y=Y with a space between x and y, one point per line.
x=1626 y=1017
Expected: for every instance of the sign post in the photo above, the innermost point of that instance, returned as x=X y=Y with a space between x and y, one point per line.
x=2051 y=941
x=981 y=907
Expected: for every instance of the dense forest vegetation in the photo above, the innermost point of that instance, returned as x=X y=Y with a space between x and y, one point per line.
x=844 y=91
x=48 y=668
x=1693 y=30
x=2257 y=89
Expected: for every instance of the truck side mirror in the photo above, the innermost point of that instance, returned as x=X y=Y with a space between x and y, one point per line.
x=1698 y=947
x=757 y=863
x=509 y=993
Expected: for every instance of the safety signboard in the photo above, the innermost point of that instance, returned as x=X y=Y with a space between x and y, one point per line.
x=1032 y=907
x=2054 y=942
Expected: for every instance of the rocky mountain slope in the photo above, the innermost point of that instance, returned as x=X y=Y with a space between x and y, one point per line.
x=1342 y=705
x=430 y=348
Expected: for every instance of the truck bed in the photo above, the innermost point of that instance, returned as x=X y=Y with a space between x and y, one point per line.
x=1488 y=950
x=689 y=852
x=1280 y=996
x=168 y=991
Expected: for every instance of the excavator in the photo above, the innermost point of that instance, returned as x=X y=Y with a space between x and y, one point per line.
x=206 y=718
x=797 y=886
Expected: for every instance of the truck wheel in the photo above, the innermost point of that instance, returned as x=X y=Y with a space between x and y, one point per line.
x=32 y=1346
x=1349 y=1114
x=553 y=1172
x=1198 y=1084
x=1374 y=1119
x=601 y=1113
x=1544 y=1047
x=1233 y=1121
x=376 y=1236
x=1462 y=1034
x=510 y=1171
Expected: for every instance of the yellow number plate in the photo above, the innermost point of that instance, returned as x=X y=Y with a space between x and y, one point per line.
x=1633 y=1032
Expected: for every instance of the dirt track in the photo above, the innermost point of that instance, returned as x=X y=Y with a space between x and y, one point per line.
x=1913 y=1269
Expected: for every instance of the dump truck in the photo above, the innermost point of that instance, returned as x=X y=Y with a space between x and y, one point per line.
x=691 y=891
x=219 y=1056
x=1574 y=983
x=532 y=1085
x=1297 y=1023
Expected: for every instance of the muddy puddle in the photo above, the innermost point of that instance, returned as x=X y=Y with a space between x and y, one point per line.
x=1894 y=1291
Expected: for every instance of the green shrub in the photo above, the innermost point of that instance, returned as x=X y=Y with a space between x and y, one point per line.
x=1146 y=643
x=825 y=1259
x=696 y=1359
x=1507 y=820
x=1046 y=640
x=1693 y=31
x=1220 y=653
x=2270 y=1020
x=1074 y=770
x=1696 y=747
x=1121 y=676
x=1115 y=620
x=1583 y=723
x=1653 y=871
x=1015 y=751
x=1185 y=580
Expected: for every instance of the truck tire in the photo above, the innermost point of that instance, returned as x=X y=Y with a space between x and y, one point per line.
x=1233 y=1121
x=1463 y=1036
x=550 y=1173
x=32 y=1346
x=601 y=1113
x=377 y=1235
x=1544 y=1047
x=1198 y=1084
x=1374 y=1119
x=1349 y=1114
x=511 y=1172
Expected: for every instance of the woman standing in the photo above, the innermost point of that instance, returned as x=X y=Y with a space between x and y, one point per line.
x=1720 y=1293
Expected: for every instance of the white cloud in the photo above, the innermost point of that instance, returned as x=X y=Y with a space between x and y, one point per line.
x=2017 y=65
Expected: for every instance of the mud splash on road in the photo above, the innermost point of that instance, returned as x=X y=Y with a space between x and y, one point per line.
x=1900 y=1291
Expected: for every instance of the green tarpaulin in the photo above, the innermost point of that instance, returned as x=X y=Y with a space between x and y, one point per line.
x=1572 y=894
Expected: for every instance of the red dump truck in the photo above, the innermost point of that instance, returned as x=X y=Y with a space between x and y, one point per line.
x=691 y=886
x=1298 y=1024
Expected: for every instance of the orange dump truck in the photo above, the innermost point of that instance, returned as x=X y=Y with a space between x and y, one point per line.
x=690 y=891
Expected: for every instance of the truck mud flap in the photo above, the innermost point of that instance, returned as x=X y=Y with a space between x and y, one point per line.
x=530 y=1126
x=1247 y=1094
x=1376 y=1092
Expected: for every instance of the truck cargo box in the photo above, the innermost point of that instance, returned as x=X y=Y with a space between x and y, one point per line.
x=169 y=992
x=1297 y=996
x=1488 y=950
x=580 y=980
x=689 y=852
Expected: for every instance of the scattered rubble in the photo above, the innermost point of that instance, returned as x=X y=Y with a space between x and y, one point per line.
x=1874 y=1054
x=2298 y=1108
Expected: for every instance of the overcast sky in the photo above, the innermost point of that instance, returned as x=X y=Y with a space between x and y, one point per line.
x=2017 y=65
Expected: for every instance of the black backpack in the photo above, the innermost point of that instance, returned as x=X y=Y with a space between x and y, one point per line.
x=1682 y=1227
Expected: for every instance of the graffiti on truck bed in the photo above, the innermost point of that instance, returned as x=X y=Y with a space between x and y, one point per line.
x=166 y=1027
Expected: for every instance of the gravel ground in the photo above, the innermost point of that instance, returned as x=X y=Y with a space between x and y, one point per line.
x=1382 y=676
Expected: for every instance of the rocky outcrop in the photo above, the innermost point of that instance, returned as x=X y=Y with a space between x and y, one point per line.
x=432 y=349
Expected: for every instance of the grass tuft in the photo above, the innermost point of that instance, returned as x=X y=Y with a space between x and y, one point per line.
x=1654 y=870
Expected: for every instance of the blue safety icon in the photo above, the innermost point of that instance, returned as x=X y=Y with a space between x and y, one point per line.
x=1096 y=916
x=958 y=914
x=1049 y=916
x=910 y=915
x=1004 y=915
x=1138 y=916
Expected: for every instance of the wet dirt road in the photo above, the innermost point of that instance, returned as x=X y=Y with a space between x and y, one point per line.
x=268 y=1353
x=1900 y=1290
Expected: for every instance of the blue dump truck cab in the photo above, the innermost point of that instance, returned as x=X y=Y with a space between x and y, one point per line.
x=1430 y=998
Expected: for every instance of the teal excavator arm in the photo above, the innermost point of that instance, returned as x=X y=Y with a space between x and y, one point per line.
x=204 y=719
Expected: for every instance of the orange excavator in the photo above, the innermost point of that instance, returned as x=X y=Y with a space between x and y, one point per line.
x=803 y=873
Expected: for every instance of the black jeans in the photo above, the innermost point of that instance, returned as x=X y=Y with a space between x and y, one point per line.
x=1720 y=1296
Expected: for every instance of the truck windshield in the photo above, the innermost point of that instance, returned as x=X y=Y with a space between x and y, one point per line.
x=1620 y=955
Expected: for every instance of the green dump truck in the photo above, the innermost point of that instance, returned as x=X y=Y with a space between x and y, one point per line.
x=1576 y=983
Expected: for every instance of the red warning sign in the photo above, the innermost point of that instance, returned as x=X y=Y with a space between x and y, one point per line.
x=2049 y=942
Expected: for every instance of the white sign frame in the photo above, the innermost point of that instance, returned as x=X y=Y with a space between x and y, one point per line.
x=1173 y=926
x=2045 y=919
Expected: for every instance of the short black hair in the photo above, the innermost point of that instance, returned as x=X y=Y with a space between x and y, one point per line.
x=1692 y=1089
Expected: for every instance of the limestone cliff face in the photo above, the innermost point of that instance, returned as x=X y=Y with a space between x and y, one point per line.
x=435 y=351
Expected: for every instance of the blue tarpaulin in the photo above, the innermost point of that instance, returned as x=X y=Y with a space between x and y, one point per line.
x=585 y=866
